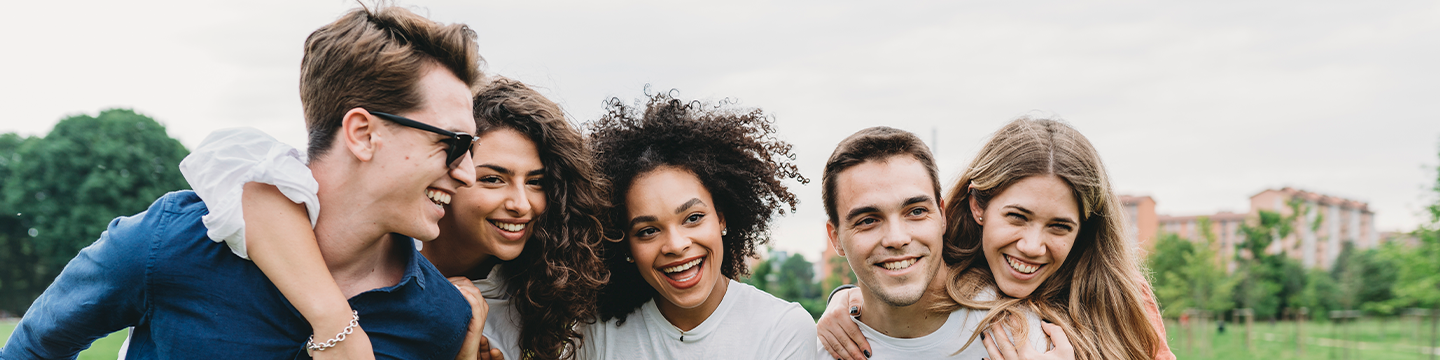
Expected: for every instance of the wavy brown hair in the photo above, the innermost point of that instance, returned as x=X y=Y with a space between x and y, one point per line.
x=1096 y=295
x=732 y=152
x=554 y=281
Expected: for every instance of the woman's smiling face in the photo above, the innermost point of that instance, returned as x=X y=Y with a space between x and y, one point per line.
x=1027 y=232
x=496 y=213
x=675 y=236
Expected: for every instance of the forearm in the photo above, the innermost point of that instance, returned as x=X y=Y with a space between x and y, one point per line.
x=282 y=244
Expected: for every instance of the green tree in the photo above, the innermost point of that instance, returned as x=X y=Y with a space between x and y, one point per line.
x=758 y=273
x=797 y=279
x=1364 y=279
x=17 y=253
x=1269 y=282
x=1418 y=278
x=1190 y=274
x=64 y=189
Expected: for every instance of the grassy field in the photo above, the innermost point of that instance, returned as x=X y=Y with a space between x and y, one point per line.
x=1366 y=339
x=107 y=348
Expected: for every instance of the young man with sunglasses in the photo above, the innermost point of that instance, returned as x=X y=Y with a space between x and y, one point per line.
x=378 y=176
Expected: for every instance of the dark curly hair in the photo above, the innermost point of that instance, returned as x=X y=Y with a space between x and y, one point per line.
x=731 y=151
x=554 y=281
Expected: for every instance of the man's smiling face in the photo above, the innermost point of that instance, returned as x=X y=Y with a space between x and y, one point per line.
x=890 y=227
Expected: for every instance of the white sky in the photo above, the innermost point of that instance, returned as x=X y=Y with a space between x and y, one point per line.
x=1199 y=105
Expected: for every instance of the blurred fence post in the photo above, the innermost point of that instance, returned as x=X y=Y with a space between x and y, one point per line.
x=1418 y=315
x=1339 y=319
x=1249 y=315
x=1300 y=315
x=1187 y=324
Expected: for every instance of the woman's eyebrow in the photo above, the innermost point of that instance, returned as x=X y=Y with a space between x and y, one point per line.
x=1019 y=208
x=641 y=219
x=496 y=168
x=688 y=204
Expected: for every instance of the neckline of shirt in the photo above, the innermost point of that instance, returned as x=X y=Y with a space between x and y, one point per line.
x=707 y=327
x=947 y=333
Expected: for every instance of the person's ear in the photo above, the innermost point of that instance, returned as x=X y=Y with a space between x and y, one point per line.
x=834 y=234
x=358 y=132
x=975 y=210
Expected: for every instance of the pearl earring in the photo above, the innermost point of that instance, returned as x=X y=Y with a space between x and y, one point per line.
x=629 y=259
x=725 y=231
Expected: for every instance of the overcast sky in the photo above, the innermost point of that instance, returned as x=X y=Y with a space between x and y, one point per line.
x=1199 y=105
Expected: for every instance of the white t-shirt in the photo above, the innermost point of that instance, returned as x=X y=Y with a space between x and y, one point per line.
x=748 y=324
x=945 y=342
x=502 y=322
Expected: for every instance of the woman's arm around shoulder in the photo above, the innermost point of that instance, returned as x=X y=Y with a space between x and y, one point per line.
x=245 y=176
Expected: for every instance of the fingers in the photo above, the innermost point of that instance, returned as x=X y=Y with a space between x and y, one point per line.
x=488 y=352
x=990 y=348
x=856 y=300
x=472 y=295
x=838 y=333
x=470 y=349
x=485 y=348
x=838 y=343
x=834 y=347
x=854 y=340
x=1002 y=342
x=1061 y=341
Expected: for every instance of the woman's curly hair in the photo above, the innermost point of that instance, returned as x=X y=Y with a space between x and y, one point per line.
x=554 y=281
x=731 y=151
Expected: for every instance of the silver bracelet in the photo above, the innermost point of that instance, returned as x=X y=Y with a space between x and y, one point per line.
x=312 y=346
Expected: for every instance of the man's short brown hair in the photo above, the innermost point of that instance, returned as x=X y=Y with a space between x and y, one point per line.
x=873 y=144
x=374 y=59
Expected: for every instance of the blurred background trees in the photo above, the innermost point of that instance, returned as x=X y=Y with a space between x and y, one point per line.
x=789 y=277
x=60 y=192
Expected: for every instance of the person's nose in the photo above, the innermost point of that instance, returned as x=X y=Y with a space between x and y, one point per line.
x=896 y=235
x=1032 y=242
x=465 y=172
x=675 y=243
x=518 y=203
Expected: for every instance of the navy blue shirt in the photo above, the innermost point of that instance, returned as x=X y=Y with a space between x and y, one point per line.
x=190 y=298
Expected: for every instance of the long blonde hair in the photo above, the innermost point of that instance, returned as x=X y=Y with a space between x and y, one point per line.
x=1096 y=295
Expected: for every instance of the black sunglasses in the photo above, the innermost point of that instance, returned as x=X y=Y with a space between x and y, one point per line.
x=459 y=143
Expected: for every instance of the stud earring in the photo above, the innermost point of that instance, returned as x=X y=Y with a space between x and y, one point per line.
x=629 y=259
x=725 y=231
x=980 y=220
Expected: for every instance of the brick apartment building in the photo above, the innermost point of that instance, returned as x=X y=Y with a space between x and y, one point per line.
x=1340 y=221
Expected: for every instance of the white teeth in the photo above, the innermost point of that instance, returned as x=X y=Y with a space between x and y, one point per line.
x=899 y=265
x=508 y=226
x=1018 y=266
x=438 y=197
x=682 y=267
